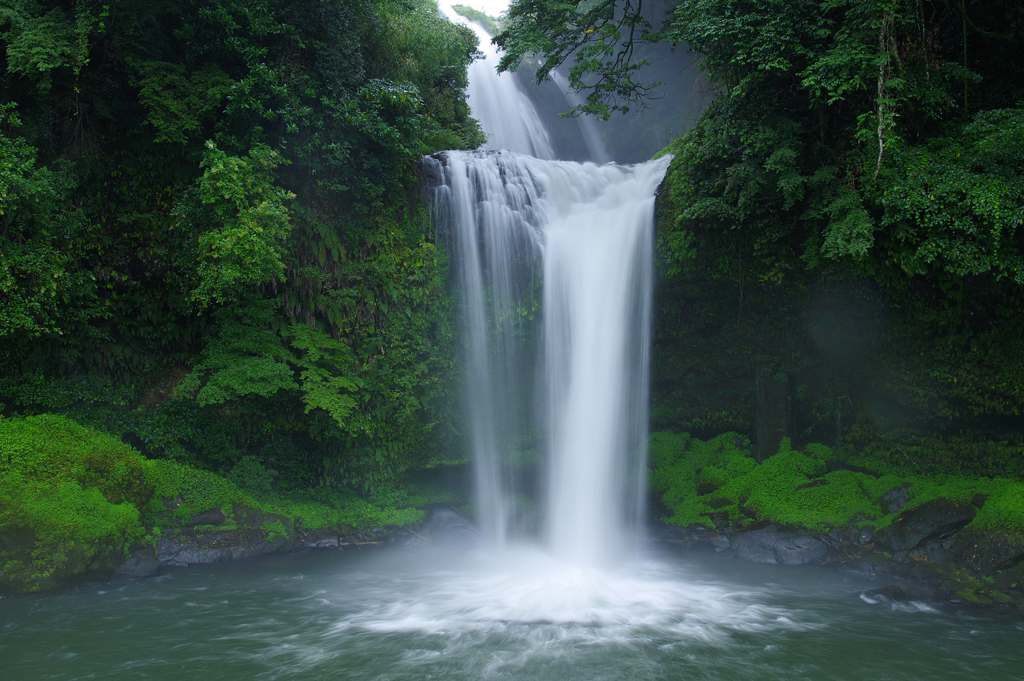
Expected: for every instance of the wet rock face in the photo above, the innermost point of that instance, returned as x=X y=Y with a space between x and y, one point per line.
x=772 y=544
x=984 y=552
x=932 y=518
x=142 y=562
x=197 y=548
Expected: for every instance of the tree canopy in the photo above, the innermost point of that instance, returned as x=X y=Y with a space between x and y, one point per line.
x=225 y=192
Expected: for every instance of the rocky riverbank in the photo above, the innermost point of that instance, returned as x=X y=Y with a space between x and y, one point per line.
x=928 y=552
x=215 y=537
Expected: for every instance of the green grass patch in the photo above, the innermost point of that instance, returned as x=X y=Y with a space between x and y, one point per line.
x=70 y=500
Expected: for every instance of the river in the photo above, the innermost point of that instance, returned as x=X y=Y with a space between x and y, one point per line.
x=428 y=614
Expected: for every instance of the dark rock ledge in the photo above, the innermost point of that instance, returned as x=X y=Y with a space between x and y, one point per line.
x=212 y=537
x=929 y=549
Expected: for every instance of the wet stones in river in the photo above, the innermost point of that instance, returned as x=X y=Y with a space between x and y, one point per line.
x=930 y=519
x=899 y=592
x=773 y=544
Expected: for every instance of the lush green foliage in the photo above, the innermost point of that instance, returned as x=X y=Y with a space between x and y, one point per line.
x=77 y=492
x=488 y=22
x=601 y=37
x=74 y=500
x=847 y=218
x=696 y=481
x=223 y=195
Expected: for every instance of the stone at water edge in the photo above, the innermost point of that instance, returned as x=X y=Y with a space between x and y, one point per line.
x=983 y=551
x=931 y=518
x=445 y=527
x=142 y=562
x=775 y=545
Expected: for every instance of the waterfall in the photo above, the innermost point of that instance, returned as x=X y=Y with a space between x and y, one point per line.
x=499 y=103
x=585 y=233
x=588 y=125
x=554 y=263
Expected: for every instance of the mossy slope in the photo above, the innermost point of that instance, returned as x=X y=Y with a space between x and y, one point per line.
x=74 y=501
x=718 y=482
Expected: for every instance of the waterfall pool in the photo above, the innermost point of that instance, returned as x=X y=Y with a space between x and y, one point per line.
x=428 y=614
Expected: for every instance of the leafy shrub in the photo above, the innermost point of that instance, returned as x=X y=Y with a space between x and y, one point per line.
x=250 y=474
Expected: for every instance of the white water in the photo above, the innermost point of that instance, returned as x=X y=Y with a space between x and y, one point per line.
x=557 y=412
x=589 y=229
x=499 y=103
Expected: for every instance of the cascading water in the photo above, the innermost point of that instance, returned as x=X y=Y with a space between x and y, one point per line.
x=588 y=126
x=591 y=227
x=579 y=396
x=499 y=103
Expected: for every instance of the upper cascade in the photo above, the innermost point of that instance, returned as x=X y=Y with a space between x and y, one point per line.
x=498 y=101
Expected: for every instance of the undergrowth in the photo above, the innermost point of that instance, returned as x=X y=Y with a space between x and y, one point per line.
x=699 y=482
x=73 y=501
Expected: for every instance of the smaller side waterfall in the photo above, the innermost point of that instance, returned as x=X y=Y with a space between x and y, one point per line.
x=588 y=125
x=592 y=228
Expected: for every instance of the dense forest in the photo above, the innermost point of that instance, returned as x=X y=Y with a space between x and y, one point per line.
x=214 y=244
x=841 y=233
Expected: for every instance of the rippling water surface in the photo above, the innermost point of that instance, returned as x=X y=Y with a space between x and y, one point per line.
x=520 y=615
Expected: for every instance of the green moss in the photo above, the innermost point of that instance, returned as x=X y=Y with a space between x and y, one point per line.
x=71 y=496
x=193 y=491
x=73 y=501
x=695 y=479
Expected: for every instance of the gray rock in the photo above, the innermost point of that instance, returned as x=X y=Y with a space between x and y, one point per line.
x=900 y=592
x=200 y=548
x=772 y=544
x=320 y=539
x=141 y=562
x=446 y=527
x=984 y=551
x=932 y=518
x=720 y=543
x=864 y=535
x=895 y=499
x=212 y=517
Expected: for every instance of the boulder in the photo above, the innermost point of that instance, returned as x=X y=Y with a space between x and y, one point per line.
x=773 y=544
x=142 y=562
x=900 y=592
x=863 y=535
x=932 y=518
x=895 y=499
x=191 y=548
x=320 y=539
x=984 y=551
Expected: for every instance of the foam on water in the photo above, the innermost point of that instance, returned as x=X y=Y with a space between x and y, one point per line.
x=531 y=598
